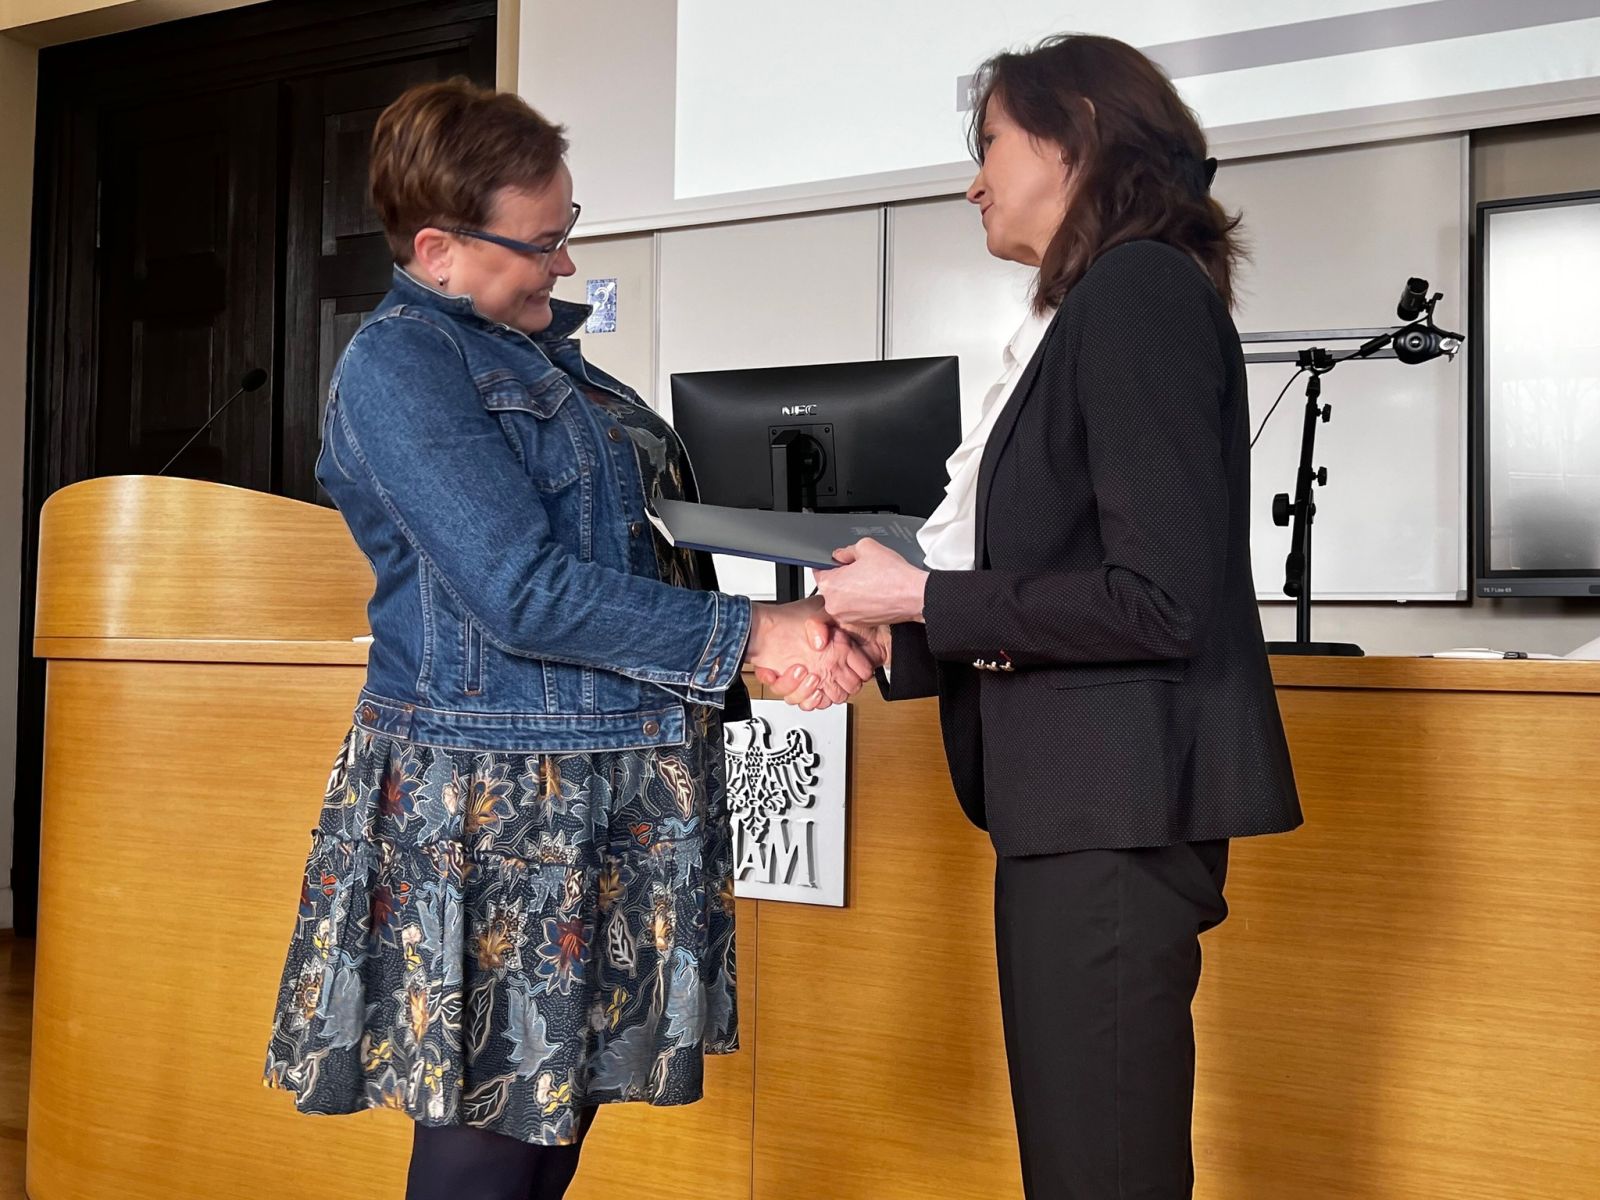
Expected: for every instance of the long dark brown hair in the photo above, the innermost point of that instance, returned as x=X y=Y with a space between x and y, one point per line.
x=1136 y=152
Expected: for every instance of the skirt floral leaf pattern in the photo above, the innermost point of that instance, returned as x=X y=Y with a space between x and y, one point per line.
x=501 y=940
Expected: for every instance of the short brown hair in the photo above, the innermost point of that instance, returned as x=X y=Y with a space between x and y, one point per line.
x=1136 y=150
x=442 y=150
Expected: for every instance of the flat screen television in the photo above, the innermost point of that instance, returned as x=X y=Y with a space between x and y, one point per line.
x=1536 y=397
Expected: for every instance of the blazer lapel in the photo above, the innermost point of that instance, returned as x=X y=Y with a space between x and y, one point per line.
x=1000 y=435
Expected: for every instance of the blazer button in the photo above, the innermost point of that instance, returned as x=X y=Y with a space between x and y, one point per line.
x=614 y=434
x=651 y=728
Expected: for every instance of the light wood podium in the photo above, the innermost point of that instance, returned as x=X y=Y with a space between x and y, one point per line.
x=1404 y=1005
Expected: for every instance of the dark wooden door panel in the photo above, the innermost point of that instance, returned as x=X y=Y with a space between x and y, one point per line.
x=339 y=263
x=188 y=256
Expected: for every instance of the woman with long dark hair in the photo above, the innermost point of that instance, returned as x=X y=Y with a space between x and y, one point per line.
x=1089 y=620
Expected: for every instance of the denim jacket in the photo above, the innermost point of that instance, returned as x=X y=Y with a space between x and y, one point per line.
x=502 y=514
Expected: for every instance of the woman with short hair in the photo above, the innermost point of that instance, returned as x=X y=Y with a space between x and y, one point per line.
x=519 y=901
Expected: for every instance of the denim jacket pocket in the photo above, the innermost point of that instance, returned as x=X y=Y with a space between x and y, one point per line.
x=503 y=390
x=546 y=446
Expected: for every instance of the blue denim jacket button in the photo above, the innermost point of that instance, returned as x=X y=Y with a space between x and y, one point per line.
x=651 y=728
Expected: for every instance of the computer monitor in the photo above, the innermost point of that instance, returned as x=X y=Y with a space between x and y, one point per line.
x=1536 y=409
x=833 y=437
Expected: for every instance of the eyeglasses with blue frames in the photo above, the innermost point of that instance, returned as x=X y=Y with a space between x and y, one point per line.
x=523 y=247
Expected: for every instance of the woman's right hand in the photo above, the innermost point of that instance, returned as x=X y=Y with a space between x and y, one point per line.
x=822 y=664
x=797 y=687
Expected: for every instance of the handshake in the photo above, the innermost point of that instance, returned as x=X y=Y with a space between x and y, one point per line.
x=818 y=652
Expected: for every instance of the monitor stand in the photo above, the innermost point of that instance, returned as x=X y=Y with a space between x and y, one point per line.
x=790 y=449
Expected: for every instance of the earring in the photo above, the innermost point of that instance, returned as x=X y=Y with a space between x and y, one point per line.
x=441 y=281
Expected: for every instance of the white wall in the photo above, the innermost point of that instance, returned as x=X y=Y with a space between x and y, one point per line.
x=721 y=110
x=1334 y=234
x=946 y=294
x=628 y=353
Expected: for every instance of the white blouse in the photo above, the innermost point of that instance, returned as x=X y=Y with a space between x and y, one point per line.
x=949 y=539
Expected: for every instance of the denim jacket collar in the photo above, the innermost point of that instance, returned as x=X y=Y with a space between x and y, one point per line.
x=569 y=317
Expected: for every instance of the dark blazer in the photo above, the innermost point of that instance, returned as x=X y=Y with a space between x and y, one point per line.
x=1101 y=675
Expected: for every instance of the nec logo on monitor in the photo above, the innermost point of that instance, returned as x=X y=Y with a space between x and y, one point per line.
x=800 y=410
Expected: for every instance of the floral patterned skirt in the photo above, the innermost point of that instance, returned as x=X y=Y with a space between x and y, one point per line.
x=500 y=940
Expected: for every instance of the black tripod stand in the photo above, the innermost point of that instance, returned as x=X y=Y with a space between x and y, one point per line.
x=1297 y=567
x=1416 y=342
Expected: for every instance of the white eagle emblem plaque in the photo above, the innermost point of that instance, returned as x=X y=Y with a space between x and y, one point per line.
x=786 y=798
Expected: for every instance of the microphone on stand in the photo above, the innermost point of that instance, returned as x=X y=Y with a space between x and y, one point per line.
x=250 y=382
x=1413 y=300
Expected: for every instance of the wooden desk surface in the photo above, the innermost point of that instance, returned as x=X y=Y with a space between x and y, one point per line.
x=1438 y=674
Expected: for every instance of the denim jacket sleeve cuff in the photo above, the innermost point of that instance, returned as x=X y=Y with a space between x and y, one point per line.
x=723 y=656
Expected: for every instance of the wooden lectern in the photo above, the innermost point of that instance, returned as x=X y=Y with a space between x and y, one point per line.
x=202 y=672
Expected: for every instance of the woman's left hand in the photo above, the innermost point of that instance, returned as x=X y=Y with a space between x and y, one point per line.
x=872 y=586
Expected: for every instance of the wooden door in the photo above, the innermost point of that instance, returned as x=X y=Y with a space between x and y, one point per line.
x=188 y=254
x=338 y=261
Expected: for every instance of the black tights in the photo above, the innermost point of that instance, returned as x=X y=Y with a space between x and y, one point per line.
x=461 y=1162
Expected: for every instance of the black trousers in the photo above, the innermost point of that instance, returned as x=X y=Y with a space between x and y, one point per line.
x=1099 y=958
